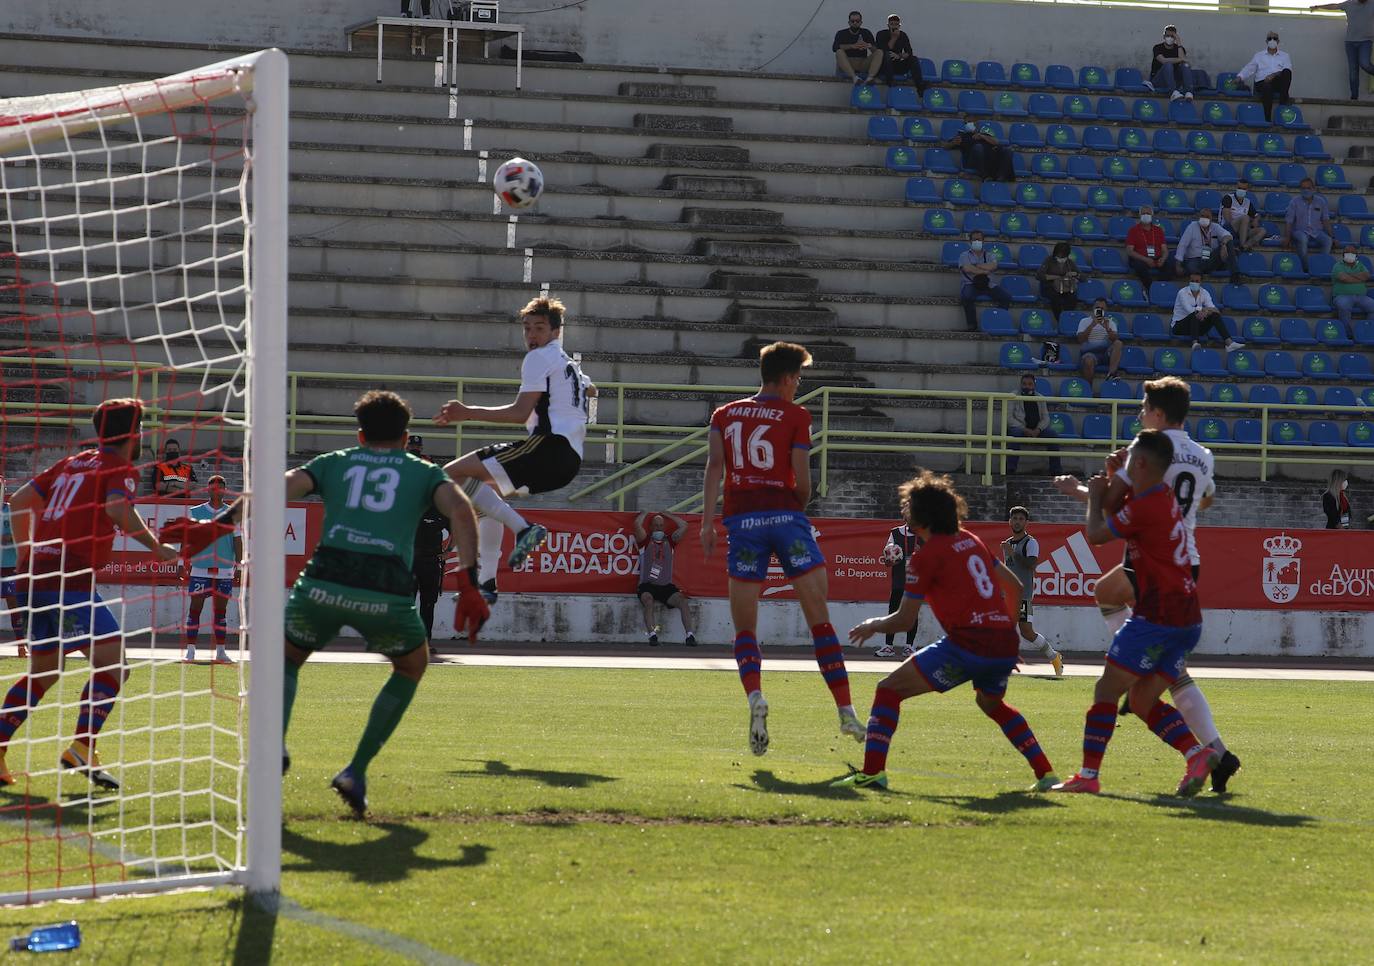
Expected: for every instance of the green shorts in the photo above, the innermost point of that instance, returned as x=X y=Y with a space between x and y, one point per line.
x=317 y=609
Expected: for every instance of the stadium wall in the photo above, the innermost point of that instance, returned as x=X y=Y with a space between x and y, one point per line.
x=717 y=35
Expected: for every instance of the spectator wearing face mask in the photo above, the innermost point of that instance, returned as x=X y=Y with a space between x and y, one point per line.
x=1272 y=73
x=1239 y=214
x=1029 y=418
x=1350 y=290
x=173 y=476
x=978 y=280
x=981 y=153
x=1205 y=247
x=1169 y=70
x=1307 y=223
x=898 y=57
x=1059 y=280
x=1146 y=251
x=1335 y=504
x=656 y=550
x=1099 y=343
x=856 y=56
x=1359 y=38
x=1195 y=315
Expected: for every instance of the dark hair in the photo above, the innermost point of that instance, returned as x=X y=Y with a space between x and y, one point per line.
x=172 y=441
x=1171 y=395
x=782 y=359
x=1062 y=249
x=1018 y=509
x=931 y=502
x=856 y=13
x=1157 y=447
x=116 y=420
x=383 y=416
x=549 y=308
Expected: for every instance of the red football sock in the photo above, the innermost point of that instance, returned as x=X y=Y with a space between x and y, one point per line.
x=1165 y=721
x=1021 y=737
x=750 y=661
x=882 y=722
x=1097 y=731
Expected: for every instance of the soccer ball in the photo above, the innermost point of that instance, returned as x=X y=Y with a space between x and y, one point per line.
x=518 y=183
x=892 y=555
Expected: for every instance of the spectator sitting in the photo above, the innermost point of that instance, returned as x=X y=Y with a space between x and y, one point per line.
x=1146 y=251
x=1195 y=314
x=1206 y=246
x=1335 y=504
x=1169 y=70
x=1059 y=280
x=1307 y=222
x=1030 y=418
x=856 y=56
x=1359 y=38
x=980 y=153
x=1099 y=343
x=1242 y=218
x=898 y=58
x=977 y=279
x=1272 y=72
x=1349 y=290
x=656 y=551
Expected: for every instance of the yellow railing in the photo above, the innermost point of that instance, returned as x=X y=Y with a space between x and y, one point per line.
x=982 y=447
x=1265 y=7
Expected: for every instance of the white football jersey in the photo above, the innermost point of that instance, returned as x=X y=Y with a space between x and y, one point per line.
x=562 y=409
x=1190 y=477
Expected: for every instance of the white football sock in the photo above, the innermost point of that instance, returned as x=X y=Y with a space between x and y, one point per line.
x=489 y=534
x=1043 y=645
x=1116 y=618
x=1197 y=715
x=490 y=504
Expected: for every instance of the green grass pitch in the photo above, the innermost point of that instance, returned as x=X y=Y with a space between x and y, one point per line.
x=539 y=816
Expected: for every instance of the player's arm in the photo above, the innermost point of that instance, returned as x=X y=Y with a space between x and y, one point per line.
x=801 y=467
x=641 y=535
x=1012 y=589
x=125 y=516
x=1096 y=528
x=710 y=488
x=897 y=622
x=24 y=509
x=454 y=504
x=516 y=412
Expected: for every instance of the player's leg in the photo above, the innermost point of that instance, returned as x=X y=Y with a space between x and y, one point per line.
x=487 y=466
x=94 y=629
x=1099 y=725
x=907 y=681
x=1192 y=704
x=990 y=689
x=1036 y=641
x=45 y=658
x=646 y=605
x=199 y=590
x=744 y=614
x=219 y=598
x=309 y=625
x=894 y=601
x=1173 y=644
x=1115 y=597
x=810 y=588
x=679 y=602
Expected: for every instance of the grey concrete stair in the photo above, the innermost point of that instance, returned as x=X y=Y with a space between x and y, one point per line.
x=676 y=92
x=761 y=217
x=694 y=123
x=824 y=354
x=706 y=184
x=741 y=282
x=766 y=316
x=736 y=249
x=721 y=153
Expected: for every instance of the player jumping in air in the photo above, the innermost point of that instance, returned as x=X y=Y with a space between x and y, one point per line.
x=212 y=575
x=1020 y=552
x=1150 y=650
x=1190 y=476
x=975 y=598
x=360 y=573
x=763 y=446
x=553 y=406
x=64 y=524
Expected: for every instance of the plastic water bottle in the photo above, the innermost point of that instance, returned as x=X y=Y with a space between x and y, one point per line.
x=49 y=939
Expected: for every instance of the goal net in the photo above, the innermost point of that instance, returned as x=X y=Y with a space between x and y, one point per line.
x=142 y=254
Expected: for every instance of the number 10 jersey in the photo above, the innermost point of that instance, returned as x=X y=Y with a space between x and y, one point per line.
x=759 y=434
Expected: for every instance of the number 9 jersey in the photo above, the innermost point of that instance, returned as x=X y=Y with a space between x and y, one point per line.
x=759 y=435
x=1190 y=477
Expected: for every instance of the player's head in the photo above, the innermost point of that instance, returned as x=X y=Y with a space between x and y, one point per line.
x=1018 y=517
x=542 y=319
x=216 y=485
x=1148 y=459
x=1166 y=402
x=383 y=418
x=118 y=423
x=930 y=504
x=780 y=366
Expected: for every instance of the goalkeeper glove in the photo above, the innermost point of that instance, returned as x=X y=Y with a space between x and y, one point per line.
x=194 y=536
x=471 y=611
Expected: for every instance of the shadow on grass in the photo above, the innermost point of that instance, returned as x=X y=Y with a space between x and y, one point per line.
x=1000 y=804
x=766 y=781
x=390 y=858
x=1219 y=809
x=492 y=768
x=256 y=925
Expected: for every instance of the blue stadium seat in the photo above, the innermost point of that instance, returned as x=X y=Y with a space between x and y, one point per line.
x=1323 y=432
x=867 y=97
x=1069 y=321
x=1319 y=266
x=1253 y=265
x=1088 y=228
x=1228 y=84
x=1163 y=294
x=1289 y=117
x=1246 y=431
x=979 y=221
x=1364 y=334
x=1060 y=78
x=904 y=99
x=1134 y=361
x=901 y=158
x=1258 y=330
x=1127 y=293
x=1074 y=387
x=1286 y=265
x=1212 y=430
x=1119 y=226
x=1354 y=208
x=1133 y=139
x=1208 y=362
x=1134 y=197
x=950 y=252
x=990 y=73
x=1291 y=174
x=1331 y=333
x=958 y=191
x=1117 y=168
x=1222 y=172
x=1244 y=363
x=1017 y=355
x=1112 y=109
x=1276 y=203
x=956 y=72
x=1311 y=298
x=1016 y=225
x=1366 y=396
x=1166 y=141
x=1310 y=146
x=1259 y=174
x=1145 y=110
x=1047 y=166
x=1061 y=136
x=1280 y=365
x=1038 y=323
x=939 y=221
x=1332 y=177
x=883 y=128
x=1263 y=394
x=1295 y=332
x=1252 y=116
x=996 y=322
x=1300 y=396
x=999 y=253
x=1077 y=107
x=1067 y=197
x=1095 y=79
x=1091 y=289
x=1025 y=135
x=1275 y=298
x=937 y=100
x=1130 y=427
x=1171 y=362
x=1188 y=171
x=928 y=70
x=1102 y=198
x=1097 y=426
x=1183 y=114
x=1285 y=432
x=1218 y=114
x=1175 y=202
x=941 y=161
x=1227 y=392
x=1008 y=104
x=1238 y=298
x=1202 y=142
x=921 y=191
x=1031 y=257
x=1044 y=106
x=1098 y=138
x=1355 y=367
x=1052 y=226
x=1338 y=396
x=919 y=129
x=1237 y=144
x=1119 y=388
x=1017 y=287
x=973 y=103
x=1149 y=327
x=1154 y=171
x=1030 y=195
x=1128 y=80
x=1359 y=433
x=1027 y=76
x=1063 y=426
x=950 y=128
x=1108 y=261
x=1170 y=232
x=1272 y=146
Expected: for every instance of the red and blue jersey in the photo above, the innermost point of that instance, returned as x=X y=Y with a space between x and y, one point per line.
x=74 y=534
x=1157 y=547
x=956 y=575
x=759 y=434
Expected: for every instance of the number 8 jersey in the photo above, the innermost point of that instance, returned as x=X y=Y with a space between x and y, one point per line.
x=759 y=435
x=954 y=574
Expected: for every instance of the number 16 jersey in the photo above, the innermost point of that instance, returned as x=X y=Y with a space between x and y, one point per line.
x=759 y=434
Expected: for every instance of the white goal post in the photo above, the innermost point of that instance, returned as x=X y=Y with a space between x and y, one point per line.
x=143 y=252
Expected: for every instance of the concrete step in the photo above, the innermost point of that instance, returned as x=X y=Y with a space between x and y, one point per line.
x=693 y=123
x=721 y=153
x=675 y=92
x=707 y=185
x=747 y=282
x=715 y=217
x=767 y=316
x=738 y=249
x=823 y=353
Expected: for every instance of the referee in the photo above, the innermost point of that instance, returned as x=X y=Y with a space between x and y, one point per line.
x=431 y=544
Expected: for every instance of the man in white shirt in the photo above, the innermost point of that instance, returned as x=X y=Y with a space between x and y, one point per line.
x=1205 y=246
x=1195 y=314
x=1272 y=72
x=1099 y=342
x=1239 y=214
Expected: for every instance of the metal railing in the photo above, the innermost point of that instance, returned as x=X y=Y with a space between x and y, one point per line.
x=1266 y=7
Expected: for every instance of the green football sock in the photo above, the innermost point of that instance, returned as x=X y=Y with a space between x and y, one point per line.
x=387 y=712
x=288 y=697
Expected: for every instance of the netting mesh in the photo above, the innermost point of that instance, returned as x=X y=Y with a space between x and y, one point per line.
x=123 y=273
